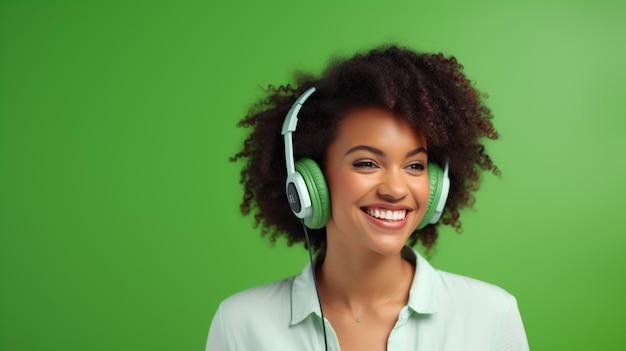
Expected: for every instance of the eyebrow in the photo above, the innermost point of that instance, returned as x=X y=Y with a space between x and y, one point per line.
x=380 y=152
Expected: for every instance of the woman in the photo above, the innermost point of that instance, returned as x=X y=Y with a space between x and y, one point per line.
x=381 y=141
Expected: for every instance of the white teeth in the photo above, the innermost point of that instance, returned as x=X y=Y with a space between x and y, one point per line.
x=387 y=215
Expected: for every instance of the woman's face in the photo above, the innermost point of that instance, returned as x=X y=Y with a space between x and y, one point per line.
x=376 y=174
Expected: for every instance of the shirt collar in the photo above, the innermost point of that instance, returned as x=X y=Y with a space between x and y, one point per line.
x=422 y=296
x=423 y=293
x=304 y=299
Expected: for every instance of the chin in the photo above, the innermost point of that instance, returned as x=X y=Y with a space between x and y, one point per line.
x=388 y=246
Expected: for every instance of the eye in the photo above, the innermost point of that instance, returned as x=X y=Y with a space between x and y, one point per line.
x=417 y=167
x=364 y=164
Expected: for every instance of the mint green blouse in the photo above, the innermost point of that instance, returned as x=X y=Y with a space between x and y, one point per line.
x=444 y=312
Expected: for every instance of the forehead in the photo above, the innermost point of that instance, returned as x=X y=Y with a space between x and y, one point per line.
x=377 y=127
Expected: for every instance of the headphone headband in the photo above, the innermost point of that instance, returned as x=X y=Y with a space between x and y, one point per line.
x=289 y=126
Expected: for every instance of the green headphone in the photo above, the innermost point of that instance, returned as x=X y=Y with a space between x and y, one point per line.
x=307 y=191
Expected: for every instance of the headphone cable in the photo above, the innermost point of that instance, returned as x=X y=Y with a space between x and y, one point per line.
x=317 y=292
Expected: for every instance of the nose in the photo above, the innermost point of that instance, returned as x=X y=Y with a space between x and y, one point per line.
x=392 y=186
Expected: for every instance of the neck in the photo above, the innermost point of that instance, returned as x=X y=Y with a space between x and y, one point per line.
x=360 y=281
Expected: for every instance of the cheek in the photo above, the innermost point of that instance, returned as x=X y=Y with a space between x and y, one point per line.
x=346 y=187
x=421 y=190
x=340 y=187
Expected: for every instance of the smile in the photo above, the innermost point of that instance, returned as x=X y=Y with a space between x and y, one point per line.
x=387 y=215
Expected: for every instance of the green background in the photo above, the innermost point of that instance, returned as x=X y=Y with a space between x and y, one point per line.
x=119 y=222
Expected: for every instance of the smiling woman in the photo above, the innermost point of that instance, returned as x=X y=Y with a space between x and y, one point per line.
x=387 y=148
x=376 y=174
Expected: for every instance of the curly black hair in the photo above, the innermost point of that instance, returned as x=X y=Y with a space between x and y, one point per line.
x=429 y=91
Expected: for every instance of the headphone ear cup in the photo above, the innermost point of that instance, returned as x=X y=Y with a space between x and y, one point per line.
x=435 y=180
x=318 y=191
